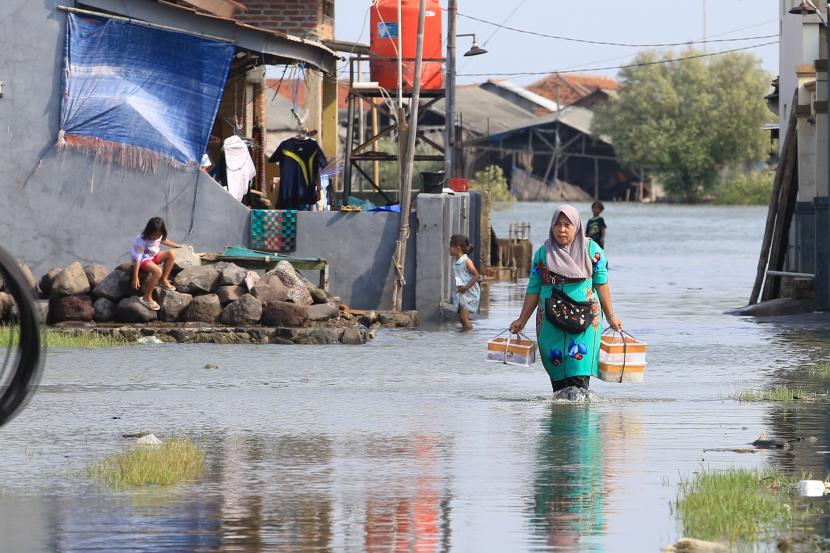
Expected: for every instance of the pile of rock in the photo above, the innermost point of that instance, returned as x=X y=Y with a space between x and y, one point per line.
x=216 y=294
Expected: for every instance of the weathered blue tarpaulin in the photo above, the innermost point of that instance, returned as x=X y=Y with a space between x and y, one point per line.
x=138 y=94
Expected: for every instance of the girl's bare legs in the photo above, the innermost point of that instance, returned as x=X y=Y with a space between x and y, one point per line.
x=168 y=258
x=153 y=275
x=464 y=319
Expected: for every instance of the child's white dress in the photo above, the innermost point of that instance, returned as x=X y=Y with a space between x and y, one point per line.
x=470 y=299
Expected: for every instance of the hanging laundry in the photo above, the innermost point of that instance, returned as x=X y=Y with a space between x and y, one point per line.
x=301 y=160
x=239 y=166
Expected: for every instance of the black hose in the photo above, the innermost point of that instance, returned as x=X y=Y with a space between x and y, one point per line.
x=20 y=383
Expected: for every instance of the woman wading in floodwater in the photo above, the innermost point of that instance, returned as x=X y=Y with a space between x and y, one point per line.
x=569 y=284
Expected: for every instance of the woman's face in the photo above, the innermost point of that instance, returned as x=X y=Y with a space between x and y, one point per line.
x=563 y=230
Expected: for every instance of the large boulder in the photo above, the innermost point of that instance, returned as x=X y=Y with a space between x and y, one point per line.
x=317 y=294
x=71 y=308
x=205 y=309
x=232 y=274
x=270 y=289
x=228 y=294
x=323 y=312
x=173 y=304
x=95 y=273
x=198 y=280
x=29 y=277
x=105 y=310
x=353 y=337
x=244 y=311
x=116 y=285
x=48 y=279
x=70 y=282
x=186 y=258
x=251 y=278
x=282 y=313
x=297 y=291
x=130 y=310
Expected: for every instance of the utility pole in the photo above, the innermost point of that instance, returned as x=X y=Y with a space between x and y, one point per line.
x=406 y=184
x=449 y=98
x=705 y=26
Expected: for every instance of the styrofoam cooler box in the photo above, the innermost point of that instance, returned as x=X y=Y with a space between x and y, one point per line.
x=622 y=361
x=512 y=351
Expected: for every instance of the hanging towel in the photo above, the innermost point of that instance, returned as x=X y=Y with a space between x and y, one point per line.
x=239 y=166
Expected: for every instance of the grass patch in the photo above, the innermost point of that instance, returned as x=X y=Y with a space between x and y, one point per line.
x=820 y=370
x=737 y=504
x=174 y=460
x=68 y=339
x=779 y=393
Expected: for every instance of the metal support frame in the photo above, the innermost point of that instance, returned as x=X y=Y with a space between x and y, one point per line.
x=357 y=151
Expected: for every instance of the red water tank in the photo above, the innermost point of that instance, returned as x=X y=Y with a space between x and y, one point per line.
x=384 y=43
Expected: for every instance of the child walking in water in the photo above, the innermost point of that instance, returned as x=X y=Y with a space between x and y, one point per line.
x=595 y=229
x=147 y=257
x=466 y=278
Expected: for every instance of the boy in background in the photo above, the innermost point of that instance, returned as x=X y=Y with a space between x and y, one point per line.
x=595 y=228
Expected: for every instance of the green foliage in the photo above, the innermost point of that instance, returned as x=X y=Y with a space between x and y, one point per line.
x=744 y=188
x=685 y=121
x=492 y=180
x=174 y=460
x=737 y=505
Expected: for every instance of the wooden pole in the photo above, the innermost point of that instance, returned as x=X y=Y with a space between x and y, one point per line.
x=406 y=183
x=786 y=157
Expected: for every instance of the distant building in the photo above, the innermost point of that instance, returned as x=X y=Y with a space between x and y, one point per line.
x=571 y=89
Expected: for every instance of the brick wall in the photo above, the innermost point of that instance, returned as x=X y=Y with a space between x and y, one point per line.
x=306 y=18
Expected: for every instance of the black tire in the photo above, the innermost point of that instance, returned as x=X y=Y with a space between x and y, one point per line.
x=21 y=362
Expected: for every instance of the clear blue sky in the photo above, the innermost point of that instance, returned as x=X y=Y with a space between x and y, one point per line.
x=623 y=21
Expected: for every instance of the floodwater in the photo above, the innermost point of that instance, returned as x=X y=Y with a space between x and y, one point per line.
x=414 y=443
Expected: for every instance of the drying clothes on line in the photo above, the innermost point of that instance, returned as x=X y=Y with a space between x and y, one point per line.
x=301 y=160
x=239 y=166
x=274 y=230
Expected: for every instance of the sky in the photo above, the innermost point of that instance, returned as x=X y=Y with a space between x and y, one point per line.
x=620 y=21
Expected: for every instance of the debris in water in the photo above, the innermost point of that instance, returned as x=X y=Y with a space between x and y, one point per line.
x=732 y=450
x=149 y=439
x=690 y=545
x=575 y=394
x=135 y=435
x=770 y=443
x=211 y=366
x=148 y=340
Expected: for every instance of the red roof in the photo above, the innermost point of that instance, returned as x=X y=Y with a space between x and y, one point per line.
x=571 y=87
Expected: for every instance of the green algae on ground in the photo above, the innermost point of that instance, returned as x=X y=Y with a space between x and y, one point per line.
x=174 y=460
x=778 y=393
x=62 y=339
x=738 y=504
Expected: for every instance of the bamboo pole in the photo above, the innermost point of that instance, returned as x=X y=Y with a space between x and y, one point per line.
x=406 y=181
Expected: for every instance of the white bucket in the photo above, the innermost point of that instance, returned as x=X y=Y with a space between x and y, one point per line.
x=810 y=488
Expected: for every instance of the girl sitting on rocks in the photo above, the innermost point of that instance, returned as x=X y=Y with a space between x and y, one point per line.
x=147 y=257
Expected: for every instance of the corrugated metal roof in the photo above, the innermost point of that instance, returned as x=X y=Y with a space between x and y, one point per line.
x=577 y=118
x=484 y=112
x=531 y=96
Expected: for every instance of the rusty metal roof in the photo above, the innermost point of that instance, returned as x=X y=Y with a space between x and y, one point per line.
x=279 y=46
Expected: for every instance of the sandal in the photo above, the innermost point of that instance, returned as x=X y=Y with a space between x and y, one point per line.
x=168 y=286
x=151 y=305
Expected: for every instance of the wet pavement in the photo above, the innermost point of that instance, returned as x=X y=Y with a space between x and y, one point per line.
x=414 y=443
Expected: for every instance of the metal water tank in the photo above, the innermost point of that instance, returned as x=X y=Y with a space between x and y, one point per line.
x=384 y=43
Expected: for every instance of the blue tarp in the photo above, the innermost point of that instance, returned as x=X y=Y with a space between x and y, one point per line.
x=150 y=92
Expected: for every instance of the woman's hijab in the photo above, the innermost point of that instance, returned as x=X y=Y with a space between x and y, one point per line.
x=571 y=260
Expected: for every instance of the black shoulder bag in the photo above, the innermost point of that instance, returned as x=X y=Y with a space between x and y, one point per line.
x=566 y=313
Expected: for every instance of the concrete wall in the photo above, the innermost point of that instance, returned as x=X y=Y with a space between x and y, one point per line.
x=61 y=206
x=359 y=248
